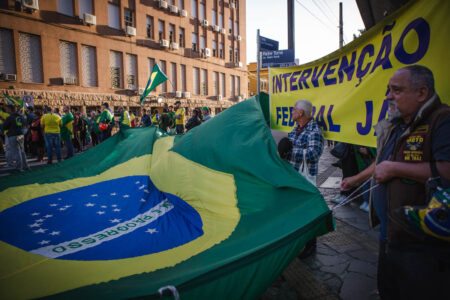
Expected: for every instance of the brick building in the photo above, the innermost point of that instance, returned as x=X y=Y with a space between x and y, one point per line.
x=85 y=52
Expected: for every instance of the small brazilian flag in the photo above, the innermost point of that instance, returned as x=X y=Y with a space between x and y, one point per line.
x=215 y=213
x=156 y=78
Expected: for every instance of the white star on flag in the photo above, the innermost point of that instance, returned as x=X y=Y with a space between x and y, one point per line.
x=115 y=220
x=143 y=200
x=146 y=191
x=100 y=212
x=62 y=208
x=55 y=232
x=35 y=214
x=116 y=209
x=67 y=206
x=34 y=225
x=151 y=230
x=113 y=194
x=53 y=204
x=59 y=198
x=126 y=196
x=39 y=220
x=104 y=206
x=142 y=186
x=44 y=242
x=40 y=230
x=89 y=204
x=114 y=205
x=137 y=182
x=94 y=195
x=48 y=216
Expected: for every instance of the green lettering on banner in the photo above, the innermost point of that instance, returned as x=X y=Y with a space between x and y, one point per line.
x=122 y=228
x=148 y=217
x=129 y=224
x=88 y=241
x=139 y=220
x=59 y=249
x=74 y=245
x=100 y=236
x=111 y=232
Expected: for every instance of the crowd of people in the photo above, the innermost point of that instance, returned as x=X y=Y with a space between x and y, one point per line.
x=47 y=132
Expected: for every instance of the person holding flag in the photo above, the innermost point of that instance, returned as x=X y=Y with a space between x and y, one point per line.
x=14 y=126
x=106 y=122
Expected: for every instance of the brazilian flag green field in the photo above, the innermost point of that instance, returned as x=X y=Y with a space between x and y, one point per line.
x=215 y=213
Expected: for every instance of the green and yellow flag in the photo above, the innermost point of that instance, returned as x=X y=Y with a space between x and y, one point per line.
x=215 y=213
x=156 y=78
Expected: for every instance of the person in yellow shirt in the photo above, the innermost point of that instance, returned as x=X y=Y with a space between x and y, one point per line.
x=179 y=118
x=51 y=124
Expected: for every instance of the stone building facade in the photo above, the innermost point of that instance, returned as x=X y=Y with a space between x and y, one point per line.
x=84 y=52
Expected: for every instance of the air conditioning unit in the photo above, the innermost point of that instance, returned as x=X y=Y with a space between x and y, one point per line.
x=89 y=19
x=173 y=9
x=219 y=97
x=239 y=64
x=186 y=94
x=31 y=4
x=216 y=28
x=239 y=38
x=70 y=80
x=163 y=4
x=10 y=77
x=164 y=43
x=223 y=31
x=239 y=98
x=206 y=52
x=130 y=31
x=205 y=23
x=178 y=94
x=183 y=13
x=232 y=5
x=174 y=46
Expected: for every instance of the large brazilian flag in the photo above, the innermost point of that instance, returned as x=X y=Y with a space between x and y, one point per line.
x=215 y=213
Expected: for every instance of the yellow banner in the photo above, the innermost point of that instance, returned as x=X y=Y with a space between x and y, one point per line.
x=348 y=87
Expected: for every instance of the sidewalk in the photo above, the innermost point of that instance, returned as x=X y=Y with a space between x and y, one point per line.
x=345 y=264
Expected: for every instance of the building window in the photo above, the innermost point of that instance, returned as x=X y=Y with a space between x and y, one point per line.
x=194 y=41
x=214 y=48
x=222 y=84
x=214 y=17
x=65 y=7
x=85 y=6
x=181 y=40
x=30 y=58
x=232 y=87
x=173 y=76
x=204 y=82
x=202 y=10
x=180 y=4
x=172 y=33
x=238 y=85
x=68 y=60
x=221 y=20
x=236 y=28
x=129 y=17
x=216 y=83
x=89 y=66
x=231 y=53
x=230 y=26
x=113 y=15
x=196 y=80
x=151 y=64
x=221 y=51
x=194 y=6
x=236 y=55
x=115 y=65
x=164 y=69
x=183 y=77
x=7 y=54
x=132 y=72
x=202 y=42
x=161 y=34
x=150 y=26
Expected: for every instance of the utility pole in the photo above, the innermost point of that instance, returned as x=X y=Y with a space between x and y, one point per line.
x=341 y=27
x=291 y=25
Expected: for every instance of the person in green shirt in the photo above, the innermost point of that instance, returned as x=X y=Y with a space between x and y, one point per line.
x=106 y=122
x=67 y=130
x=125 y=119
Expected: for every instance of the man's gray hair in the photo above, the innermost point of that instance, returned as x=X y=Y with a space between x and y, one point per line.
x=305 y=105
x=421 y=76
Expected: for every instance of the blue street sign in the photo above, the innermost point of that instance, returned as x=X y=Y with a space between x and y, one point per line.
x=266 y=44
x=280 y=58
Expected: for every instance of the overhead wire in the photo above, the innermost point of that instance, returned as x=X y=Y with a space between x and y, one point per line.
x=318 y=19
x=323 y=12
x=329 y=9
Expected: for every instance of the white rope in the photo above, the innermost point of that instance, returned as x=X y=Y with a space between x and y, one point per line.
x=171 y=289
x=349 y=198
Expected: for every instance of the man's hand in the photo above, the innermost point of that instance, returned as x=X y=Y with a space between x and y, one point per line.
x=384 y=171
x=349 y=183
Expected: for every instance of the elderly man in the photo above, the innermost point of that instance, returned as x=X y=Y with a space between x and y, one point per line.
x=307 y=140
x=411 y=149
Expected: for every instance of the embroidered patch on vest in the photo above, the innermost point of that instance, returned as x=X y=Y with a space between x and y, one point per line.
x=413 y=150
x=421 y=129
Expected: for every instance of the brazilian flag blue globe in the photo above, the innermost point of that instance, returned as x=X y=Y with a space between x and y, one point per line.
x=216 y=214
